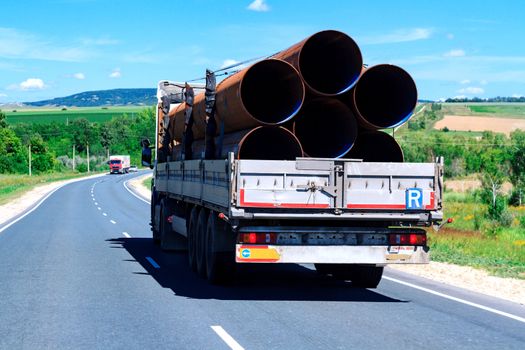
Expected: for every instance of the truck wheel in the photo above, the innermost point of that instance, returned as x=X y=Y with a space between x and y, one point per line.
x=165 y=227
x=365 y=276
x=200 y=243
x=220 y=266
x=192 y=231
x=154 y=230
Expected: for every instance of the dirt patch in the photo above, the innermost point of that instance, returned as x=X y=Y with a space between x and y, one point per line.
x=460 y=186
x=137 y=184
x=469 y=123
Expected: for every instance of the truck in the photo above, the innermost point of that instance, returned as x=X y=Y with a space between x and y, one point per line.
x=347 y=217
x=119 y=164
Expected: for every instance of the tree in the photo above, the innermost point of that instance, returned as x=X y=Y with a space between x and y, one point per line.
x=84 y=133
x=13 y=158
x=42 y=160
x=3 y=120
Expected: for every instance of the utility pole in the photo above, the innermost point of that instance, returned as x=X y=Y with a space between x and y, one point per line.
x=29 y=159
x=87 y=150
x=73 y=157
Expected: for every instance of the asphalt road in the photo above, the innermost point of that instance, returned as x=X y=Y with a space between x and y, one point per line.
x=81 y=271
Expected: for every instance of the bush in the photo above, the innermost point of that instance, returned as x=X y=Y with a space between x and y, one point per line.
x=491 y=229
x=522 y=221
x=82 y=168
x=506 y=218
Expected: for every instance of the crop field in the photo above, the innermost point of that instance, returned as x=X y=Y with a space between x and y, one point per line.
x=470 y=123
x=504 y=110
x=48 y=115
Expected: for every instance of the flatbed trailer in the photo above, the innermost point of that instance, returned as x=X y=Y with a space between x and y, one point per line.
x=349 y=218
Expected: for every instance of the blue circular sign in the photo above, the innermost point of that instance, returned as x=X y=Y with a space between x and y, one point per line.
x=245 y=253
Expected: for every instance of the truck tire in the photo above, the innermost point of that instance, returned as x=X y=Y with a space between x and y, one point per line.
x=154 y=231
x=220 y=266
x=366 y=276
x=192 y=232
x=200 y=243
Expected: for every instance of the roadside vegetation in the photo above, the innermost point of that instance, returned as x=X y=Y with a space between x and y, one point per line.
x=12 y=186
x=489 y=222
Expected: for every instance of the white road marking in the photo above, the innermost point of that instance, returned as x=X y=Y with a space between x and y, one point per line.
x=133 y=193
x=99 y=208
x=113 y=222
x=93 y=198
x=104 y=214
x=459 y=300
x=152 y=262
x=232 y=343
x=42 y=201
x=126 y=234
x=96 y=203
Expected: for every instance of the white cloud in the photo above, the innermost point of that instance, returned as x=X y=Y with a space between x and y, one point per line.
x=228 y=62
x=455 y=53
x=450 y=36
x=398 y=36
x=29 y=84
x=513 y=95
x=21 y=45
x=465 y=81
x=259 y=6
x=483 y=82
x=79 y=76
x=104 y=41
x=471 y=90
x=3 y=95
x=115 y=74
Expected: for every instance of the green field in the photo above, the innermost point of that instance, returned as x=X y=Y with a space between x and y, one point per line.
x=503 y=110
x=48 y=115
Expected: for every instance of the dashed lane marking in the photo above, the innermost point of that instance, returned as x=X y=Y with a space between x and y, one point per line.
x=228 y=339
x=152 y=262
x=99 y=208
x=113 y=222
x=125 y=234
x=104 y=214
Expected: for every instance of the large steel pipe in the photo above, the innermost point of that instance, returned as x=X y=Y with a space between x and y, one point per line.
x=329 y=62
x=376 y=146
x=384 y=97
x=269 y=92
x=326 y=128
x=263 y=142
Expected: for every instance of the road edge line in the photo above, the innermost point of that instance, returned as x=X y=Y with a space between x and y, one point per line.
x=459 y=300
x=125 y=183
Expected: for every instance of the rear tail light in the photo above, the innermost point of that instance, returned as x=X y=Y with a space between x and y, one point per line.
x=258 y=238
x=408 y=239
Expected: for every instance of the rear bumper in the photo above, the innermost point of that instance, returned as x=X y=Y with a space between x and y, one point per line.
x=377 y=255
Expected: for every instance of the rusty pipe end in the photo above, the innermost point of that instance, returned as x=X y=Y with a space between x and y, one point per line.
x=385 y=97
x=330 y=62
x=272 y=91
x=326 y=128
x=376 y=146
x=269 y=143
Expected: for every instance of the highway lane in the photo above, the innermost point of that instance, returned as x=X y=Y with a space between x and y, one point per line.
x=72 y=277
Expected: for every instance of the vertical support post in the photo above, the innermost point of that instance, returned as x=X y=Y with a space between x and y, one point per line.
x=87 y=150
x=211 y=123
x=29 y=159
x=73 y=157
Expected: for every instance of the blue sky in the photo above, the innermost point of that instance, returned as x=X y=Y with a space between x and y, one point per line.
x=60 y=47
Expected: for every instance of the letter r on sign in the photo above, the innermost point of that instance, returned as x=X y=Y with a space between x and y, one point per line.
x=414 y=198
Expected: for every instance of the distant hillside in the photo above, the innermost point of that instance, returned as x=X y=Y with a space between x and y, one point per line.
x=115 y=97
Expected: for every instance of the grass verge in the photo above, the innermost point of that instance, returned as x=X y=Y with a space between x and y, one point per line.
x=13 y=186
x=467 y=241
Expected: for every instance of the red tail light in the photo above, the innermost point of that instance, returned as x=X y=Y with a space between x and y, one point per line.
x=408 y=239
x=258 y=238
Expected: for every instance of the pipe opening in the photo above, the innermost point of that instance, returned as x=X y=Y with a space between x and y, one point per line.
x=272 y=91
x=270 y=143
x=376 y=146
x=330 y=62
x=385 y=96
x=326 y=128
